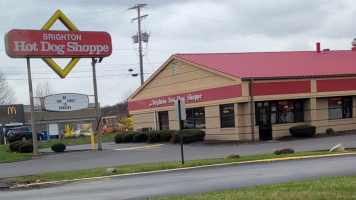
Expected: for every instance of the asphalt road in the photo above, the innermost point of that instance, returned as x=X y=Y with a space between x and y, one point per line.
x=194 y=180
x=80 y=157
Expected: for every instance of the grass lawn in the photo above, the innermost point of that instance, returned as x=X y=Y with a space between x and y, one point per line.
x=124 y=169
x=107 y=137
x=6 y=156
x=324 y=188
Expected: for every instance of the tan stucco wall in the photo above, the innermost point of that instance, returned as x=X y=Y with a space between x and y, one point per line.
x=244 y=122
x=189 y=78
x=213 y=125
x=323 y=121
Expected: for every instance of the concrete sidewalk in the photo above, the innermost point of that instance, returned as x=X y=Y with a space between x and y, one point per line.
x=81 y=157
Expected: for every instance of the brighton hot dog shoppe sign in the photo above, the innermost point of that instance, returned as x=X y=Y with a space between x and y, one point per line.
x=32 y=43
x=48 y=44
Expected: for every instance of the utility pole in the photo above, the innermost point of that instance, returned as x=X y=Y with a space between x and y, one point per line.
x=139 y=17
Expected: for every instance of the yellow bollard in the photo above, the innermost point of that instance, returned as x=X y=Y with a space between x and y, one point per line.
x=4 y=140
x=92 y=141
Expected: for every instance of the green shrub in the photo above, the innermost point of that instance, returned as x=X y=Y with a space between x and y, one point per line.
x=166 y=135
x=153 y=136
x=176 y=138
x=189 y=136
x=118 y=138
x=59 y=147
x=17 y=145
x=128 y=136
x=140 y=137
x=329 y=131
x=12 y=145
x=302 y=131
x=26 y=147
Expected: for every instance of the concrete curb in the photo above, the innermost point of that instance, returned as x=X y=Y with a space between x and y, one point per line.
x=3 y=185
x=180 y=169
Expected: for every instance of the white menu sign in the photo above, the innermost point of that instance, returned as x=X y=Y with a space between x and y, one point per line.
x=66 y=102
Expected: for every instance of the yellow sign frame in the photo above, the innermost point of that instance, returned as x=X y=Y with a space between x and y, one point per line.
x=71 y=27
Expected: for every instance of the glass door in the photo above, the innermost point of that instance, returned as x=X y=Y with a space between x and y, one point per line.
x=264 y=120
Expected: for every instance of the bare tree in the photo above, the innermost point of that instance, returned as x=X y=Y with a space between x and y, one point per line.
x=7 y=94
x=42 y=89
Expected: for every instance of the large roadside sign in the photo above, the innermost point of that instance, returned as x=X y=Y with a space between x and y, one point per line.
x=48 y=44
x=60 y=44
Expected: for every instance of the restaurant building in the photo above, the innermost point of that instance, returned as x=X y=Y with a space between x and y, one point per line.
x=283 y=89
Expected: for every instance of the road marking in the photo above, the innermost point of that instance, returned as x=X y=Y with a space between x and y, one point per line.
x=140 y=147
x=182 y=168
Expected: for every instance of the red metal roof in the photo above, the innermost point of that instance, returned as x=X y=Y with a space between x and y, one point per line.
x=278 y=64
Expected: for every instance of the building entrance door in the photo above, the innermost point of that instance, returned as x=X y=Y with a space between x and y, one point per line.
x=264 y=122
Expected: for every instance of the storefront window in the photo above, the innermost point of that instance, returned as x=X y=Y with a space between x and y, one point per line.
x=340 y=107
x=163 y=120
x=289 y=111
x=195 y=118
x=227 y=116
x=286 y=114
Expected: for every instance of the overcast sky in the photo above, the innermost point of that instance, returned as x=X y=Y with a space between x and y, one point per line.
x=179 y=26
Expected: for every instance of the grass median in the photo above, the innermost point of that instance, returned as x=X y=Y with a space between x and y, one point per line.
x=324 y=188
x=7 y=156
x=153 y=167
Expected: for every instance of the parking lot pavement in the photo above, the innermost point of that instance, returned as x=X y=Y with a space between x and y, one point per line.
x=81 y=157
x=87 y=147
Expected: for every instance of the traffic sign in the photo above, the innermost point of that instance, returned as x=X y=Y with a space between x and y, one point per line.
x=180 y=103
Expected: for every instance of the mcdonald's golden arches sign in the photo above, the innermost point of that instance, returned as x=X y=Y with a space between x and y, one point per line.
x=11 y=110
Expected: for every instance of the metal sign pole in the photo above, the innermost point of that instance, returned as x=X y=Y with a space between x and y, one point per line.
x=180 y=131
x=33 y=120
x=94 y=61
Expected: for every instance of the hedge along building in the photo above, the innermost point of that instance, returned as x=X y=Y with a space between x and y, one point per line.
x=284 y=89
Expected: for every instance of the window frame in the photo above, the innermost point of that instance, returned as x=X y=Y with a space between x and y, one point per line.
x=297 y=111
x=230 y=122
x=162 y=122
x=175 y=69
x=194 y=119
x=346 y=109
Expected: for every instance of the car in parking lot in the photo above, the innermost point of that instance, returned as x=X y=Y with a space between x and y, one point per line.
x=21 y=133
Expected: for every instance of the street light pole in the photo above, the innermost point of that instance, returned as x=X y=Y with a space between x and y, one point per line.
x=97 y=121
x=33 y=120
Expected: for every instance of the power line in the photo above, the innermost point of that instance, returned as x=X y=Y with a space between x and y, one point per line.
x=116 y=65
x=121 y=80
x=84 y=13
x=245 y=25
x=77 y=77
x=180 y=14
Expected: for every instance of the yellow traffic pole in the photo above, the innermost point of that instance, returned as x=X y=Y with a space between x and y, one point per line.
x=92 y=141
